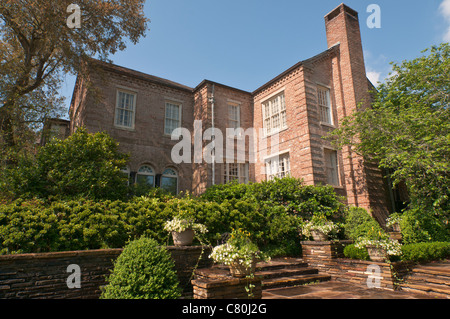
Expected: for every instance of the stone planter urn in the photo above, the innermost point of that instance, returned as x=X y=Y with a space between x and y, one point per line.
x=318 y=235
x=396 y=228
x=240 y=271
x=377 y=253
x=184 y=238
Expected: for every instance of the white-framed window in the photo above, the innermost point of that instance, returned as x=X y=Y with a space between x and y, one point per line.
x=234 y=117
x=126 y=173
x=169 y=180
x=235 y=172
x=145 y=176
x=125 y=109
x=324 y=102
x=274 y=114
x=332 y=168
x=278 y=166
x=172 y=118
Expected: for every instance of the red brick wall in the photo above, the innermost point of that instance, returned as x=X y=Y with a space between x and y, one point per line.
x=341 y=68
x=351 y=93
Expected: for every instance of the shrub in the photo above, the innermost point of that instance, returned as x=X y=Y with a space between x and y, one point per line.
x=358 y=223
x=352 y=252
x=420 y=225
x=422 y=252
x=81 y=166
x=144 y=270
x=296 y=198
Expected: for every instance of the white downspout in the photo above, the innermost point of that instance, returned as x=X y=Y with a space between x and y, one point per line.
x=213 y=137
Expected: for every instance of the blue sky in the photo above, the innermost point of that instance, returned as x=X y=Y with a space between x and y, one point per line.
x=245 y=43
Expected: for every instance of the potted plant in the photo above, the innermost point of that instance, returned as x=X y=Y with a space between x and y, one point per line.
x=393 y=222
x=239 y=253
x=319 y=227
x=183 y=229
x=379 y=246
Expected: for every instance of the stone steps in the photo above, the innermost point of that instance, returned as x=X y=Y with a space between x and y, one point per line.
x=432 y=279
x=287 y=272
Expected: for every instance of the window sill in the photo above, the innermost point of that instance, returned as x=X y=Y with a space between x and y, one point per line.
x=275 y=133
x=125 y=128
x=327 y=125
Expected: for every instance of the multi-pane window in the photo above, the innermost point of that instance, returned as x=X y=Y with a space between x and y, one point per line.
x=331 y=164
x=278 y=166
x=323 y=99
x=235 y=171
x=234 y=117
x=274 y=113
x=169 y=181
x=145 y=176
x=125 y=109
x=172 y=117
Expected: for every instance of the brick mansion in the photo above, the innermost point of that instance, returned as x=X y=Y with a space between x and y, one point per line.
x=301 y=105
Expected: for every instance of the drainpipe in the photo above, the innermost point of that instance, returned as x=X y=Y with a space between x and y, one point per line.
x=213 y=137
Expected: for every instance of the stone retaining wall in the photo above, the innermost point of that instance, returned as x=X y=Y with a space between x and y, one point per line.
x=327 y=257
x=44 y=276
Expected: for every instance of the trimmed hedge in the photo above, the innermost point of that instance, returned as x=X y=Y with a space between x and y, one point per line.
x=352 y=252
x=423 y=252
x=271 y=212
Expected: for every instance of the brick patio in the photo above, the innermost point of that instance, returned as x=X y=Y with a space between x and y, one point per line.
x=338 y=290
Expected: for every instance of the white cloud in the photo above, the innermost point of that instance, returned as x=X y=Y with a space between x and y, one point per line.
x=444 y=9
x=374 y=77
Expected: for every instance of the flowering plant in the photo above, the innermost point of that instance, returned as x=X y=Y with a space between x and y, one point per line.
x=379 y=239
x=319 y=223
x=180 y=224
x=393 y=219
x=238 y=249
x=391 y=246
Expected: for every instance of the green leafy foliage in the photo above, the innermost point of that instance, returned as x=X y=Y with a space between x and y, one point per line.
x=83 y=165
x=358 y=224
x=144 y=270
x=353 y=252
x=423 y=252
x=419 y=224
x=39 y=226
x=407 y=130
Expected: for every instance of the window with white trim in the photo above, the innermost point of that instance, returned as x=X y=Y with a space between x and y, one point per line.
x=126 y=173
x=274 y=114
x=331 y=165
x=234 y=117
x=125 y=109
x=172 y=118
x=278 y=166
x=169 y=181
x=323 y=100
x=235 y=172
x=145 y=176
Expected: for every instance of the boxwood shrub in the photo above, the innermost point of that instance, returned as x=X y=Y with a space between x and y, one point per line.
x=352 y=252
x=144 y=270
x=423 y=252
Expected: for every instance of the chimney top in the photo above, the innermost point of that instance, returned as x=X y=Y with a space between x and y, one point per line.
x=337 y=11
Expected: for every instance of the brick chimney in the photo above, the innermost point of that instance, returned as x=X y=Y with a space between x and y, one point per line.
x=363 y=182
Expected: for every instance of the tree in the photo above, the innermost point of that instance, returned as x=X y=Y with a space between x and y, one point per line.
x=83 y=165
x=407 y=130
x=37 y=46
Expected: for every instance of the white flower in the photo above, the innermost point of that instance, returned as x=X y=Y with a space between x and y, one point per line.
x=180 y=225
x=392 y=247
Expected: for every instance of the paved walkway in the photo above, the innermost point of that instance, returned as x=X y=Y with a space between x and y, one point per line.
x=337 y=290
